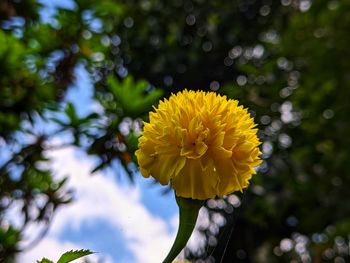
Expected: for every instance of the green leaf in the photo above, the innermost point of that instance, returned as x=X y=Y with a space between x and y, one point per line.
x=132 y=95
x=45 y=260
x=71 y=113
x=109 y=8
x=73 y=255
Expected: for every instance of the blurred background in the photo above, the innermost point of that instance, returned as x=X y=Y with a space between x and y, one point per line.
x=78 y=77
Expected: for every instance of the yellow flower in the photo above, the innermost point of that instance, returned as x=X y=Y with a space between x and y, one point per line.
x=204 y=143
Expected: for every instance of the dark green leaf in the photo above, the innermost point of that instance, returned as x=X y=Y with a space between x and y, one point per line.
x=73 y=255
x=45 y=260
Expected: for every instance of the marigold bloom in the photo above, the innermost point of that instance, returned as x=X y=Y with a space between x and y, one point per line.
x=204 y=143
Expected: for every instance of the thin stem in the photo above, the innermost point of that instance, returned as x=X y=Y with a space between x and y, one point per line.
x=188 y=213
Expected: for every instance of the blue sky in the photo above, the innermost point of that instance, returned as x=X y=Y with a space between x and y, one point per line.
x=107 y=217
x=123 y=222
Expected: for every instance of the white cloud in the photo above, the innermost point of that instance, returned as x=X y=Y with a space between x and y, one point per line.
x=98 y=197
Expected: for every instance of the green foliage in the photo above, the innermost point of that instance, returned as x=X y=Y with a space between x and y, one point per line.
x=20 y=94
x=73 y=255
x=69 y=256
x=9 y=238
x=135 y=92
x=44 y=260
x=287 y=61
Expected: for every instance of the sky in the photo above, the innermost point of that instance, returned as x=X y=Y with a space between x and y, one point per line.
x=123 y=222
x=120 y=221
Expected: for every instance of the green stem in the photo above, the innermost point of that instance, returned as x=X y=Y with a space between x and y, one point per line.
x=188 y=213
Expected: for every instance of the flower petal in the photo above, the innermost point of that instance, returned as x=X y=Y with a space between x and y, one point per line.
x=194 y=182
x=228 y=177
x=164 y=166
x=203 y=142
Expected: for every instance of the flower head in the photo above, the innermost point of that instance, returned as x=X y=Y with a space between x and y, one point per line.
x=204 y=143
